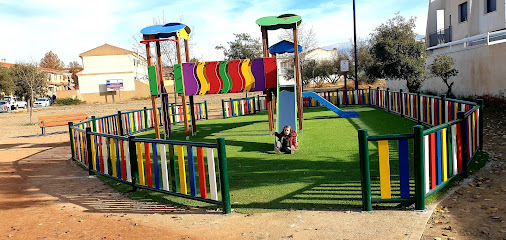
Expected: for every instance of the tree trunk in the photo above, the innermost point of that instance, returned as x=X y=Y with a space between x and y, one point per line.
x=31 y=104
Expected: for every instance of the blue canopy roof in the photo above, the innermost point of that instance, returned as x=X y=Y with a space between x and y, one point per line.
x=284 y=46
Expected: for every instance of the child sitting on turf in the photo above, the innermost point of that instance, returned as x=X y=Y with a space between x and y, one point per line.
x=287 y=141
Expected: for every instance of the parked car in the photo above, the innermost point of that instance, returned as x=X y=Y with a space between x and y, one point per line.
x=14 y=103
x=5 y=106
x=42 y=102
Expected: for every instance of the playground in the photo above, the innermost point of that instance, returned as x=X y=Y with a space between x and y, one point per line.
x=357 y=148
x=321 y=175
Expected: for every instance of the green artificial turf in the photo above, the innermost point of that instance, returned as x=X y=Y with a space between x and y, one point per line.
x=322 y=174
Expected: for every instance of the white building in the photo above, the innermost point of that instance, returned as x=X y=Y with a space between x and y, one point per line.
x=320 y=54
x=473 y=32
x=108 y=62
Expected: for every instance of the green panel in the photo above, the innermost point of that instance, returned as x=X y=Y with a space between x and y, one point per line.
x=284 y=21
x=153 y=85
x=178 y=75
x=227 y=82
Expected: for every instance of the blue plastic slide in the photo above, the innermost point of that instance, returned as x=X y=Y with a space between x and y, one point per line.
x=286 y=109
x=329 y=105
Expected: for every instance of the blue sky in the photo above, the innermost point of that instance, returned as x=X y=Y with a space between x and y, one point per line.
x=31 y=28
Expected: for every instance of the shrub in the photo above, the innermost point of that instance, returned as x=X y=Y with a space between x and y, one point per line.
x=68 y=101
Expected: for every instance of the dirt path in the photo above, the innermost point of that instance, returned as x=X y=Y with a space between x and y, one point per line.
x=478 y=209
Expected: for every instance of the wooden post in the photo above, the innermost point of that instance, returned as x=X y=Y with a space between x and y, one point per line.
x=183 y=97
x=192 y=103
x=164 y=100
x=153 y=98
x=265 y=48
x=298 y=76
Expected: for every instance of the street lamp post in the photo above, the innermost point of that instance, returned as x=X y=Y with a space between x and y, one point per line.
x=355 y=46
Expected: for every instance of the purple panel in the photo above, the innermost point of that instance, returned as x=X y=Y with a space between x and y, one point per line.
x=191 y=85
x=257 y=68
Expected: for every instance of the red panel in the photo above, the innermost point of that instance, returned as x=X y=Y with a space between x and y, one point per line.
x=271 y=73
x=459 y=148
x=235 y=75
x=202 y=172
x=216 y=84
x=432 y=160
x=149 y=176
x=123 y=161
x=243 y=79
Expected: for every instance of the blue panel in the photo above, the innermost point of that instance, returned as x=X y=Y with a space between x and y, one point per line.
x=118 y=158
x=283 y=47
x=156 y=166
x=404 y=168
x=438 y=156
x=191 y=170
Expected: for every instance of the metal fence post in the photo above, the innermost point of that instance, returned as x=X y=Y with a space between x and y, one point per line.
x=71 y=135
x=94 y=124
x=146 y=117
x=419 y=167
x=365 y=171
x=387 y=96
x=463 y=142
x=419 y=108
x=401 y=103
x=120 y=124
x=377 y=97
x=133 y=161
x=223 y=108
x=481 y=118
x=444 y=109
x=225 y=191
x=369 y=96
x=88 y=151
x=205 y=104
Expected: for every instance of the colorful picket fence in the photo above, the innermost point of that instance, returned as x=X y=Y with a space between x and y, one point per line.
x=191 y=170
x=177 y=116
x=340 y=97
x=440 y=153
x=239 y=107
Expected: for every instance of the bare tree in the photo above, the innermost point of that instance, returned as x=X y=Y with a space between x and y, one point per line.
x=74 y=67
x=31 y=81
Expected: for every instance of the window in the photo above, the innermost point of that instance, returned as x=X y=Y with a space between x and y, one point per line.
x=463 y=12
x=490 y=5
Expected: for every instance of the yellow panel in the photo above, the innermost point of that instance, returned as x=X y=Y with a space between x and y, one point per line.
x=384 y=166
x=140 y=164
x=202 y=78
x=113 y=158
x=444 y=153
x=94 y=154
x=183 y=34
x=248 y=75
x=182 y=171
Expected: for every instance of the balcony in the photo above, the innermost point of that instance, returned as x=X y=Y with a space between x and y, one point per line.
x=441 y=36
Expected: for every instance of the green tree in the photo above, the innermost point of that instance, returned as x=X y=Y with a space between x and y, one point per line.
x=365 y=61
x=442 y=67
x=244 y=46
x=31 y=81
x=396 y=54
x=7 y=86
x=51 y=61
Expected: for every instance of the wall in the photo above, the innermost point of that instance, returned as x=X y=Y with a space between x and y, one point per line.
x=99 y=69
x=141 y=91
x=481 y=71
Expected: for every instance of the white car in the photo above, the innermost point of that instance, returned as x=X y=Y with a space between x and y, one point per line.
x=42 y=102
x=5 y=106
